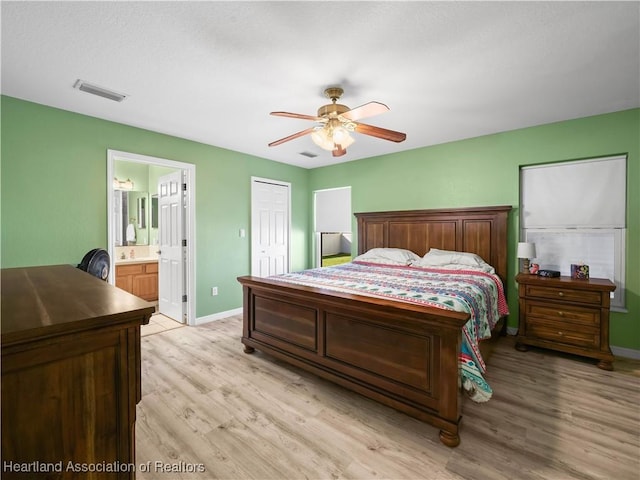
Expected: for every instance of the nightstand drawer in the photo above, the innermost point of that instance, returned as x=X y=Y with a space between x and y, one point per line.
x=585 y=337
x=563 y=313
x=564 y=294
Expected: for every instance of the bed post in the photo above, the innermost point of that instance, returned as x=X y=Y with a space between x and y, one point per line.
x=450 y=408
x=246 y=301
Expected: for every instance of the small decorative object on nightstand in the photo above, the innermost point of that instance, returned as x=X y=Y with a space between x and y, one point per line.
x=566 y=314
x=526 y=251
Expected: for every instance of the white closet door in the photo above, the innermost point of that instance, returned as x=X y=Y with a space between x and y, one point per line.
x=269 y=228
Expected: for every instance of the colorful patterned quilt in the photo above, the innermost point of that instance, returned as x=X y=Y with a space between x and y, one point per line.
x=477 y=293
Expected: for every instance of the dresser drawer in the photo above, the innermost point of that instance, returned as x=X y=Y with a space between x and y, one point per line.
x=563 y=312
x=564 y=294
x=564 y=333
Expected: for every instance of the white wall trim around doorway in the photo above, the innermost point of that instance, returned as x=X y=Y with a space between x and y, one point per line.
x=190 y=228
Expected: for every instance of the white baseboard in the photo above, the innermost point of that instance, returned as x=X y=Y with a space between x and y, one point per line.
x=218 y=316
x=512 y=330
x=625 y=352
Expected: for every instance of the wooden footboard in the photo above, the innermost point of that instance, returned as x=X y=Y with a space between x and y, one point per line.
x=401 y=355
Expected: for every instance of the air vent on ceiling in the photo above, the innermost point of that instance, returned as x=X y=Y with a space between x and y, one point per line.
x=309 y=154
x=100 y=91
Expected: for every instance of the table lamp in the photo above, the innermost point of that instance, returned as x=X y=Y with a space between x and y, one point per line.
x=526 y=251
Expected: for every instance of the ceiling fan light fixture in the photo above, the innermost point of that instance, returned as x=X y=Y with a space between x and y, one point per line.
x=342 y=140
x=329 y=136
x=322 y=138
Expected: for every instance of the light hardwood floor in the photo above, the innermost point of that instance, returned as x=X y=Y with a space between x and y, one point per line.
x=552 y=416
x=159 y=323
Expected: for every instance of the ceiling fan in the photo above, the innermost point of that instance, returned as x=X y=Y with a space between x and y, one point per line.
x=336 y=121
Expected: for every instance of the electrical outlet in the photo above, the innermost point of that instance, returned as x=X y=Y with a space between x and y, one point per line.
x=214 y=291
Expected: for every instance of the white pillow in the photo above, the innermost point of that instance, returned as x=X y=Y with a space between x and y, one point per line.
x=453 y=260
x=388 y=256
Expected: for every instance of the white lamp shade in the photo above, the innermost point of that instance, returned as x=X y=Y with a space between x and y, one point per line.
x=328 y=137
x=321 y=138
x=344 y=139
x=526 y=250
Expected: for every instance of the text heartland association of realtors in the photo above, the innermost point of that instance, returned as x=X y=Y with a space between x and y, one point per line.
x=100 y=467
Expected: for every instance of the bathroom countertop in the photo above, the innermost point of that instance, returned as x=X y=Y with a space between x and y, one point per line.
x=131 y=261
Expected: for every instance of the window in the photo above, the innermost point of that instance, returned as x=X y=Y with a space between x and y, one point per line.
x=575 y=212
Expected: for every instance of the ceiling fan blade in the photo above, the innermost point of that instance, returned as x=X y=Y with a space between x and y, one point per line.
x=338 y=151
x=292 y=137
x=295 y=115
x=381 y=132
x=367 y=110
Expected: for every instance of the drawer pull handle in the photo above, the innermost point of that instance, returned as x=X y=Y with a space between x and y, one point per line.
x=561 y=294
x=561 y=314
x=560 y=333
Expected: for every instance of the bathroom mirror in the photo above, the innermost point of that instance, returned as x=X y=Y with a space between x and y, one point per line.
x=132 y=218
x=142 y=212
x=154 y=211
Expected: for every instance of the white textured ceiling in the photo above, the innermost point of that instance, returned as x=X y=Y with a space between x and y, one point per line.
x=212 y=71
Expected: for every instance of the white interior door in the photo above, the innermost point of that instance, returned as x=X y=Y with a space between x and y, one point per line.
x=269 y=228
x=170 y=237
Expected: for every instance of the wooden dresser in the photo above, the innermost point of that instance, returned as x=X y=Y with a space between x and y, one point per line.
x=139 y=278
x=70 y=374
x=567 y=315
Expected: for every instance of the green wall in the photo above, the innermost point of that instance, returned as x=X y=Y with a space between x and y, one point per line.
x=54 y=195
x=54 y=191
x=485 y=171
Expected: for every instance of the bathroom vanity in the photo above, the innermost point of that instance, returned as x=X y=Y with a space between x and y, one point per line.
x=139 y=277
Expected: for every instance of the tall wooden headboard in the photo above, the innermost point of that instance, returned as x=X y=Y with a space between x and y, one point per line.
x=479 y=230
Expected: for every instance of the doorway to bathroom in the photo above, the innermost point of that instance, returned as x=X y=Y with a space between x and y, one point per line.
x=151 y=230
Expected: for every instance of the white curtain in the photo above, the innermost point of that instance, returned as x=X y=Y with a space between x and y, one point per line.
x=579 y=194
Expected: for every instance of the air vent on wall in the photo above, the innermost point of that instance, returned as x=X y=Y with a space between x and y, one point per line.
x=100 y=91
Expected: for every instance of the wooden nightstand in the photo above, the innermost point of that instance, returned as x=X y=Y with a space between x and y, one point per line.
x=565 y=314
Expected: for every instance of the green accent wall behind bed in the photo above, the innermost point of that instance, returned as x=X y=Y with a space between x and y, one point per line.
x=485 y=171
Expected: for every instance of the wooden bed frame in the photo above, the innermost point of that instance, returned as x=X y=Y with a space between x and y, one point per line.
x=400 y=354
